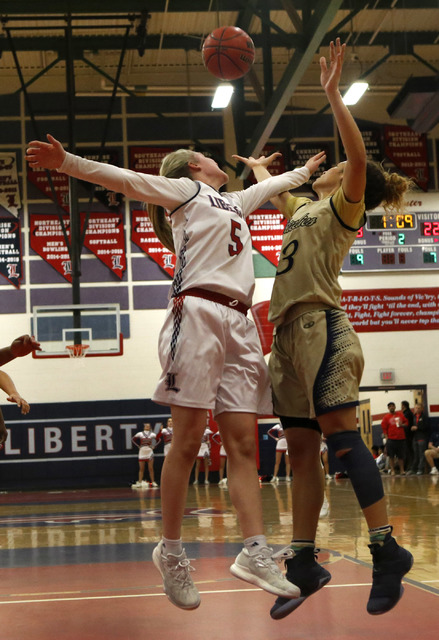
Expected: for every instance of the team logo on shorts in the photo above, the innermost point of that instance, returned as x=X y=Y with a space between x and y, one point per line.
x=170 y=382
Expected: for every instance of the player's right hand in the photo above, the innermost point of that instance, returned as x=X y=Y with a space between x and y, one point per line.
x=45 y=155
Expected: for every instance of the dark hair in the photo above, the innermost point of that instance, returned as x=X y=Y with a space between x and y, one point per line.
x=389 y=403
x=384 y=188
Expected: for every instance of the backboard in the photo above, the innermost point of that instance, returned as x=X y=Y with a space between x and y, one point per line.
x=59 y=327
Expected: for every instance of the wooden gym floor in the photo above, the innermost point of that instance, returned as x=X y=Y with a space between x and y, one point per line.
x=76 y=565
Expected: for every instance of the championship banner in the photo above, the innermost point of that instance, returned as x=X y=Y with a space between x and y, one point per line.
x=408 y=151
x=11 y=266
x=9 y=187
x=60 y=181
x=47 y=240
x=110 y=199
x=266 y=230
x=106 y=239
x=148 y=159
x=142 y=235
x=372 y=310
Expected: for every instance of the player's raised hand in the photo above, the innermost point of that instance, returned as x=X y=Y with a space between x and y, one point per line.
x=330 y=76
x=45 y=155
x=24 y=345
x=314 y=162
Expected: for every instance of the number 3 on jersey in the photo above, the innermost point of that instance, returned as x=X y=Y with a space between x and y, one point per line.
x=237 y=246
x=287 y=255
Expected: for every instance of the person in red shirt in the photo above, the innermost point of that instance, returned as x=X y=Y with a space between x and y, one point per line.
x=393 y=429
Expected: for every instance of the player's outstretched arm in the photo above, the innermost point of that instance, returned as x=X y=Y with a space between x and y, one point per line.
x=45 y=155
x=354 y=175
x=20 y=347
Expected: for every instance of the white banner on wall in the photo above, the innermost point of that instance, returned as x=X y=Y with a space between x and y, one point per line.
x=9 y=187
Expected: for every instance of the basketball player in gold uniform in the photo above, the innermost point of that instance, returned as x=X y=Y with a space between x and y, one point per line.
x=316 y=361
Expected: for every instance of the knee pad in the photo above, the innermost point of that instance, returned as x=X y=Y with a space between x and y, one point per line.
x=359 y=465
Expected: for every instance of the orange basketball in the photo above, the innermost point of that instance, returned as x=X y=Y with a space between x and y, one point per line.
x=228 y=53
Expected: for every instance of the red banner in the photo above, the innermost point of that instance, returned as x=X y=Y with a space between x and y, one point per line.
x=11 y=266
x=266 y=229
x=60 y=181
x=408 y=151
x=47 y=239
x=142 y=234
x=106 y=239
x=392 y=309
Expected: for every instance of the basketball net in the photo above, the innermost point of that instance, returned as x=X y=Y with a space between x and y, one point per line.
x=77 y=350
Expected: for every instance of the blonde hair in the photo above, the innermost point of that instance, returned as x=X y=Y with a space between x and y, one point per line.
x=385 y=189
x=174 y=165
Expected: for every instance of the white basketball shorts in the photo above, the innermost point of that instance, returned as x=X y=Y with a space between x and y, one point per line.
x=211 y=358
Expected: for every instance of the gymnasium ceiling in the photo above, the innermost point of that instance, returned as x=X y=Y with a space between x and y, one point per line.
x=153 y=47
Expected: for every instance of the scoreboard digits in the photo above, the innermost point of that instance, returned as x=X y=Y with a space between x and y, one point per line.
x=391 y=242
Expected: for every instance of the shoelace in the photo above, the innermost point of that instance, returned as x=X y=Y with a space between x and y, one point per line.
x=265 y=559
x=286 y=553
x=181 y=571
x=283 y=554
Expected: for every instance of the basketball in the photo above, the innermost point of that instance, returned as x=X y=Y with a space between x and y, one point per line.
x=228 y=53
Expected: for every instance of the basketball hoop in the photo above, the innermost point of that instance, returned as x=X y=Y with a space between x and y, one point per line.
x=77 y=350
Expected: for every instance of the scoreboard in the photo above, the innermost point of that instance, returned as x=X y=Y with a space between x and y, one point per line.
x=399 y=241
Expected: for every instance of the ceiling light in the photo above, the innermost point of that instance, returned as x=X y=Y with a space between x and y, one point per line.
x=222 y=96
x=354 y=93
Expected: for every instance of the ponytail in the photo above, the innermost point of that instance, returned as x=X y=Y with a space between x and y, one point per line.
x=385 y=189
x=174 y=165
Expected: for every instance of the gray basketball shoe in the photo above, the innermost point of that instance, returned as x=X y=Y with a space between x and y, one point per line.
x=261 y=570
x=177 y=581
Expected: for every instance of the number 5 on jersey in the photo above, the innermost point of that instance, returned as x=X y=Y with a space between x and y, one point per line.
x=237 y=246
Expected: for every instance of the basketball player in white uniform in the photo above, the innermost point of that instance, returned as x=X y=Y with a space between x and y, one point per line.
x=146 y=441
x=209 y=350
x=316 y=361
